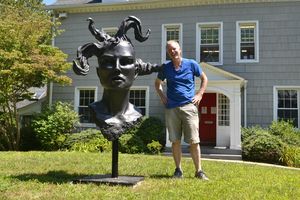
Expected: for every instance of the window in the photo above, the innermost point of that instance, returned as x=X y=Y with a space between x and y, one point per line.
x=287 y=105
x=83 y=98
x=209 y=46
x=139 y=98
x=247 y=41
x=170 y=32
x=223 y=110
x=110 y=31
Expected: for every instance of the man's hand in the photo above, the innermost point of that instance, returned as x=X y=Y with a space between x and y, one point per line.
x=197 y=98
x=159 y=90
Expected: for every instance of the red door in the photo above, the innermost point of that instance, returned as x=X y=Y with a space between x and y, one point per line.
x=207 y=114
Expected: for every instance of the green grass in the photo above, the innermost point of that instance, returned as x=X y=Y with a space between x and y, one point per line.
x=47 y=175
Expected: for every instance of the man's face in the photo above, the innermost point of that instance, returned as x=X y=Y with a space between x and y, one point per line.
x=174 y=50
x=117 y=67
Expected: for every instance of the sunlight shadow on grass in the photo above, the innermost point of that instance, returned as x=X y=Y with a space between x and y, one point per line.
x=54 y=177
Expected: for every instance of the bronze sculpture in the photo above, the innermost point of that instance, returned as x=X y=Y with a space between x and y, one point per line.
x=117 y=70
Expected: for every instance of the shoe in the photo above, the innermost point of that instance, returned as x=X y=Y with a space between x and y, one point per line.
x=178 y=173
x=201 y=175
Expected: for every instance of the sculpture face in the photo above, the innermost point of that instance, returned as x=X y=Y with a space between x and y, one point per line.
x=117 y=66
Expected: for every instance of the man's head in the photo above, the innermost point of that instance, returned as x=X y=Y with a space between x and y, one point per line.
x=174 y=50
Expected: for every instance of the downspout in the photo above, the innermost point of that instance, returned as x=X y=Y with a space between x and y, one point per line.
x=245 y=104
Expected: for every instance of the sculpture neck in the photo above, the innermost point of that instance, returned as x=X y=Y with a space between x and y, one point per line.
x=117 y=101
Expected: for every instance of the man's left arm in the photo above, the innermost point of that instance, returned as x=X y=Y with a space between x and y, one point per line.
x=199 y=94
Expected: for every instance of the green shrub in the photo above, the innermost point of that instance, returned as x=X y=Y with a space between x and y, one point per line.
x=150 y=129
x=89 y=140
x=262 y=147
x=154 y=147
x=136 y=139
x=291 y=156
x=247 y=132
x=53 y=123
x=130 y=143
x=285 y=131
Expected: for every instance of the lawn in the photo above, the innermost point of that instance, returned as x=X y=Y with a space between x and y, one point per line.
x=48 y=175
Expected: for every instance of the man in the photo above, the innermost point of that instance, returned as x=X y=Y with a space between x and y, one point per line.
x=182 y=104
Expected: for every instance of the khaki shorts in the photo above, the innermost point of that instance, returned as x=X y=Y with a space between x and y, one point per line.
x=183 y=120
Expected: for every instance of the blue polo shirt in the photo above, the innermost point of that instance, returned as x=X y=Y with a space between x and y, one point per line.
x=181 y=83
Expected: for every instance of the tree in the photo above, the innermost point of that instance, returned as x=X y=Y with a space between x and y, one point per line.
x=26 y=60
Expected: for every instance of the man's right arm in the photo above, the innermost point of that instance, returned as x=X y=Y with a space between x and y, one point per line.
x=160 y=92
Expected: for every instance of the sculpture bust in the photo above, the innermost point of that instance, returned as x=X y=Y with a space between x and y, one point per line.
x=117 y=69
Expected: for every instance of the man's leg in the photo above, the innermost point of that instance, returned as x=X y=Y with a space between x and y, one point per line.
x=176 y=150
x=196 y=156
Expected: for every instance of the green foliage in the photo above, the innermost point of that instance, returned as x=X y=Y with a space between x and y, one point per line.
x=286 y=132
x=150 y=129
x=291 y=156
x=130 y=143
x=154 y=147
x=137 y=139
x=247 y=132
x=279 y=143
x=52 y=124
x=89 y=140
x=262 y=147
x=27 y=60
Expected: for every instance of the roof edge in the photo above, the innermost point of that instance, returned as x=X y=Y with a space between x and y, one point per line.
x=149 y=4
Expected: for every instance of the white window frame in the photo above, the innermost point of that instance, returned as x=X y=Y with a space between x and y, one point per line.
x=146 y=88
x=198 y=40
x=164 y=38
x=275 y=100
x=76 y=101
x=238 y=42
x=222 y=122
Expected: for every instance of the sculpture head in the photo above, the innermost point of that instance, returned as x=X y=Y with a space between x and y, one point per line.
x=108 y=47
x=117 y=69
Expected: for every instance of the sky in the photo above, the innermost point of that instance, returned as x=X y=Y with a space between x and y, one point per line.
x=47 y=2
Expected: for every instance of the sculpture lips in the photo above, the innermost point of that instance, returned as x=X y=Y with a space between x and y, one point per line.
x=118 y=78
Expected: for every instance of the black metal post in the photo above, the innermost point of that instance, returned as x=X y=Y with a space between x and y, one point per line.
x=115 y=155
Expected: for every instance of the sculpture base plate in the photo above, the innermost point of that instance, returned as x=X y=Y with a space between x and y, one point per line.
x=107 y=179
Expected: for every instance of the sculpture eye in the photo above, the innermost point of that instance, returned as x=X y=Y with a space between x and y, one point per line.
x=126 y=61
x=107 y=61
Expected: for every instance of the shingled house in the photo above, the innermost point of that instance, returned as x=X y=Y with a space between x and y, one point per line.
x=249 y=50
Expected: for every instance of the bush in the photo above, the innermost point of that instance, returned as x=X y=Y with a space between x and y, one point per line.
x=291 y=156
x=154 y=147
x=89 y=140
x=247 y=132
x=286 y=132
x=262 y=147
x=136 y=139
x=51 y=125
x=130 y=143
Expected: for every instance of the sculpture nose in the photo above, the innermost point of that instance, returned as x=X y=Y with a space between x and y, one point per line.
x=118 y=65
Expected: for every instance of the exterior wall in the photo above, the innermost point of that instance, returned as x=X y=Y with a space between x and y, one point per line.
x=279 y=45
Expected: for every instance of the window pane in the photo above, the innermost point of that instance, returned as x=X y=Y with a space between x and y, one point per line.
x=288 y=106
x=86 y=97
x=209 y=47
x=138 y=98
x=209 y=53
x=247 y=43
x=223 y=110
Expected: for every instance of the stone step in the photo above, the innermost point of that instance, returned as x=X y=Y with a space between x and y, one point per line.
x=211 y=153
